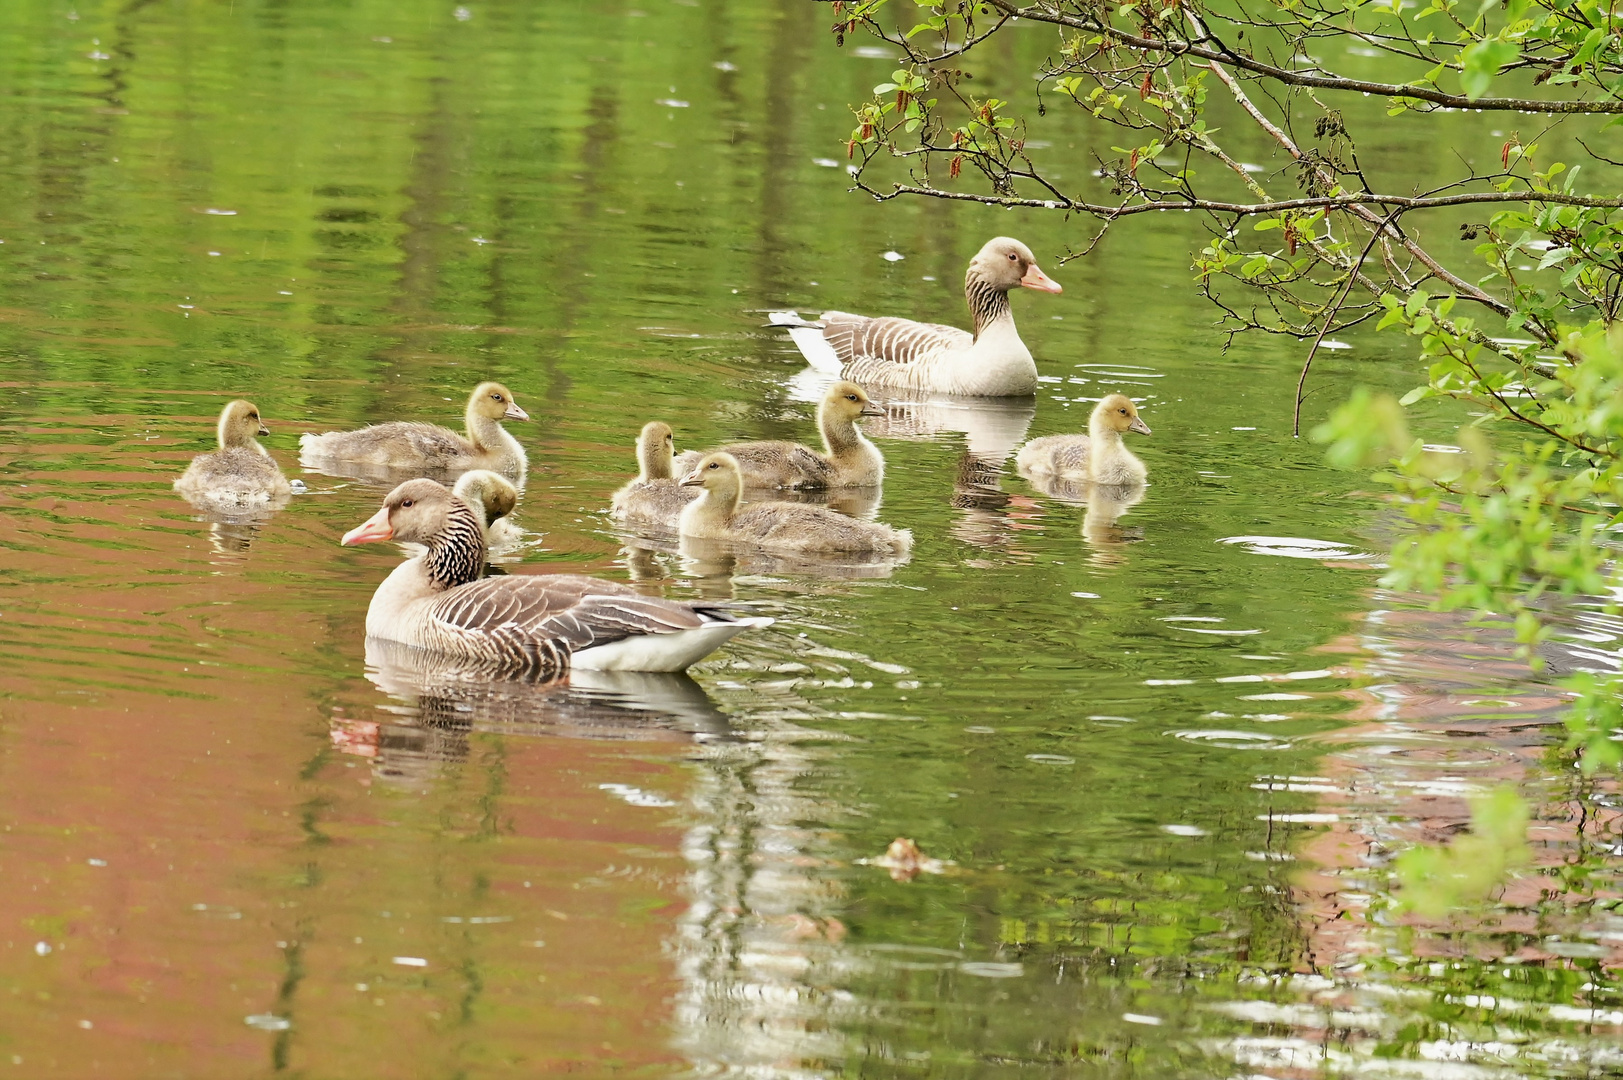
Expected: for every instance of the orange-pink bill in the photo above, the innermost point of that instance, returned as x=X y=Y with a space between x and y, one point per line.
x=376 y=527
x=1036 y=279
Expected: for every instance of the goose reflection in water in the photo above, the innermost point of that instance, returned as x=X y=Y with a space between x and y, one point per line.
x=1103 y=506
x=438 y=702
x=992 y=429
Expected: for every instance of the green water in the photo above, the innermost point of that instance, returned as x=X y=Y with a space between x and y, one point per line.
x=1166 y=771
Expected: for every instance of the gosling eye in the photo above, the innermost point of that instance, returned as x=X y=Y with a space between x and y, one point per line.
x=407 y=502
x=495 y=397
x=850 y=397
x=1013 y=257
x=1122 y=411
x=714 y=465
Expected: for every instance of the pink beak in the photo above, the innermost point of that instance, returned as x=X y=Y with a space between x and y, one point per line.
x=376 y=527
x=514 y=412
x=1036 y=279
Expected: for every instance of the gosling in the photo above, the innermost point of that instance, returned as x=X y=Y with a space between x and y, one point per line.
x=1100 y=456
x=409 y=445
x=793 y=528
x=240 y=472
x=848 y=459
x=654 y=498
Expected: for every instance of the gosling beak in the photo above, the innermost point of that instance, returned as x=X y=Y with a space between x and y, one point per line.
x=514 y=412
x=871 y=409
x=376 y=527
x=1036 y=279
x=692 y=479
x=263 y=430
x=1140 y=426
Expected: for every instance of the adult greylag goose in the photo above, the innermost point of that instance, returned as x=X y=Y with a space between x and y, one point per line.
x=654 y=498
x=1101 y=456
x=405 y=444
x=848 y=459
x=241 y=472
x=438 y=602
x=990 y=362
x=792 y=528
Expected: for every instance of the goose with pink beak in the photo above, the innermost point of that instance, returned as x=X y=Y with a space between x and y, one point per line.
x=991 y=361
x=541 y=624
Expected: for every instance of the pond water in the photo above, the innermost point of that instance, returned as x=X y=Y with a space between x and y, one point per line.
x=1163 y=760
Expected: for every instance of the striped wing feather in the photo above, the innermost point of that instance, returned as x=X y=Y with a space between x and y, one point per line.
x=563 y=609
x=896 y=341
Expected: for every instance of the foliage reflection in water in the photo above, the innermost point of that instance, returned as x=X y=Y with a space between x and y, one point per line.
x=1164 y=773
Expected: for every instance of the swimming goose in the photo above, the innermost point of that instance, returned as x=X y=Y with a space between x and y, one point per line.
x=654 y=498
x=240 y=472
x=848 y=460
x=541 y=622
x=492 y=496
x=1099 y=456
x=778 y=526
x=991 y=362
x=402 y=444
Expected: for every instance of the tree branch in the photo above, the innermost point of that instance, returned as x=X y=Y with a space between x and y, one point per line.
x=1290 y=77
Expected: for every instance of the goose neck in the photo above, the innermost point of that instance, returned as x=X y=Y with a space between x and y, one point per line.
x=456 y=554
x=653 y=463
x=840 y=434
x=485 y=432
x=988 y=304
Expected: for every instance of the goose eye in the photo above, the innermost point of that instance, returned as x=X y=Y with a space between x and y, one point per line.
x=495 y=397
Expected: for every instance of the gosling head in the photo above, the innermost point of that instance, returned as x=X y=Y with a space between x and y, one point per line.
x=717 y=473
x=491 y=493
x=414 y=512
x=847 y=401
x=1117 y=413
x=656 y=446
x=494 y=401
x=1006 y=263
x=239 y=423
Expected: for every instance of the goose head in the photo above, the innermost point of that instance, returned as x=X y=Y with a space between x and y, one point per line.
x=656 y=447
x=846 y=401
x=239 y=423
x=493 y=401
x=488 y=492
x=1005 y=263
x=1117 y=413
x=718 y=474
x=417 y=511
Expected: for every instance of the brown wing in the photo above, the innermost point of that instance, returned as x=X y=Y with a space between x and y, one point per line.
x=781 y=464
x=561 y=609
x=897 y=341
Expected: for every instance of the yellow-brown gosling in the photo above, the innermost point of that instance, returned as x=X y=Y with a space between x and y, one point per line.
x=404 y=444
x=240 y=472
x=792 y=528
x=1100 y=456
x=848 y=459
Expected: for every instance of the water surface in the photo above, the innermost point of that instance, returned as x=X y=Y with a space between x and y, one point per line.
x=1164 y=759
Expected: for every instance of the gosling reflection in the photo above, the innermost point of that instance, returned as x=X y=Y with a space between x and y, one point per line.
x=440 y=702
x=1103 y=506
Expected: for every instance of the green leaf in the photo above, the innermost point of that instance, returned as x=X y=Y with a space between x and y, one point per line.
x=1481 y=61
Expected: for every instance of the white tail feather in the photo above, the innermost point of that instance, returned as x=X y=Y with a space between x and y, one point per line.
x=664 y=652
x=808 y=338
